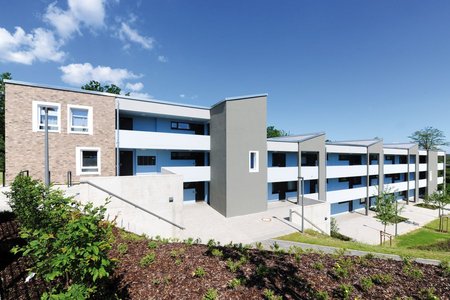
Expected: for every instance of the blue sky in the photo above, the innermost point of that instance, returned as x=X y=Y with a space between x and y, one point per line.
x=354 y=69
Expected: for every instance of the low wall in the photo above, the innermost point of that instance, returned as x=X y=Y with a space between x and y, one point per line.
x=151 y=192
x=316 y=212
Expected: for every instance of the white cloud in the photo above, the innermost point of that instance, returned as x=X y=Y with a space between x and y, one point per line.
x=79 y=74
x=20 y=47
x=89 y=13
x=135 y=86
x=163 y=59
x=141 y=95
x=182 y=95
x=127 y=34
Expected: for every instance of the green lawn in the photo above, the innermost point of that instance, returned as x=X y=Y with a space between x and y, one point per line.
x=403 y=245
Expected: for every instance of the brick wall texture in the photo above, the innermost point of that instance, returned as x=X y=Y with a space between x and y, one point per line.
x=25 y=148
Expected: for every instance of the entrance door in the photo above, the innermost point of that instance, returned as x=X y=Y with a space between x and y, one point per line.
x=126 y=163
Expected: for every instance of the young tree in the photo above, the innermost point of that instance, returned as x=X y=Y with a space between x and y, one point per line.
x=3 y=76
x=429 y=138
x=387 y=208
x=98 y=87
x=441 y=200
x=273 y=132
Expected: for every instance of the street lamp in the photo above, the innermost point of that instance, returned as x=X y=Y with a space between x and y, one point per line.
x=46 y=164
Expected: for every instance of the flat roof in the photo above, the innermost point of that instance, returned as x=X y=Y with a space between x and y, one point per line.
x=364 y=143
x=240 y=98
x=296 y=138
x=79 y=90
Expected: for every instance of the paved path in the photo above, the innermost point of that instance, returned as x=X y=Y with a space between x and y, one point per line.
x=330 y=250
x=366 y=229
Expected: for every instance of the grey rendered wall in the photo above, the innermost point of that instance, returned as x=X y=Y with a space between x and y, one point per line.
x=218 y=155
x=238 y=127
x=432 y=172
x=317 y=144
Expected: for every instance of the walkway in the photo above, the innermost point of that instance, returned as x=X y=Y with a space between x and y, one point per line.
x=366 y=229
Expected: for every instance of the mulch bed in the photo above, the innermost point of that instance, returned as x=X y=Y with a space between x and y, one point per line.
x=172 y=274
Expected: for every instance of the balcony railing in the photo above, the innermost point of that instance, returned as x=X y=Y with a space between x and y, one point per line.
x=130 y=139
x=190 y=174
x=281 y=174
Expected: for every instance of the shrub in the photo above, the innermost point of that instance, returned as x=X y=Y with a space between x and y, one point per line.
x=211 y=294
x=217 y=252
x=320 y=295
x=67 y=241
x=366 y=283
x=344 y=291
x=235 y=282
x=428 y=294
x=381 y=278
x=25 y=199
x=270 y=295
x=148 y=259
x=122 y=248
x=318 y=265
x=152 y=245
x=199 y=272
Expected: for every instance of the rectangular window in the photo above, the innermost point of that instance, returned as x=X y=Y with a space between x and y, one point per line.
x=146 y=160
x=53 y=116
x=180 y=125
x=253 y=164
x=278 y=159
x=79 y=119
x=88 y=160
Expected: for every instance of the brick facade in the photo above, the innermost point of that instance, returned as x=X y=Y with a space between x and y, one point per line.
x=25 y=148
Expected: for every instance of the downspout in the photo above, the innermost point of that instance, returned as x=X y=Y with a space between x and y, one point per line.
x=117 y=138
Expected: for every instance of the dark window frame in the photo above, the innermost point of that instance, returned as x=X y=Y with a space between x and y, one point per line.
x=146 y=160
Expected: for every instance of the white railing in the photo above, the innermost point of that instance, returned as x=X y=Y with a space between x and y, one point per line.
x=190 y=174
x=394 y=169
x=422 y=183
x=281 y=174
x=422 y=167
x=133 y=139
x=440 y=180
x=350 y=194
x=440 y=166
x=350 y=171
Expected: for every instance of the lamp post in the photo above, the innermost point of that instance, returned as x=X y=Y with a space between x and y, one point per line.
x=46 y=155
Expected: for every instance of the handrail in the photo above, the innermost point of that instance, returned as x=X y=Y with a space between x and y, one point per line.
x=133 y=204
x=291 y=211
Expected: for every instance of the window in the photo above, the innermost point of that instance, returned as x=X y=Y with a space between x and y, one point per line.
x=54 y=116
x=353 y=159
x=180 y=125
x=253 y=164
x=146 y=160
x=88 y=161
x=278 y=159
x=126 y=123
x=79 y=119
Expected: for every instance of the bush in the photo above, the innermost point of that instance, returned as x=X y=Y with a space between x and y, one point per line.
x=25 y=199
x=67 y=241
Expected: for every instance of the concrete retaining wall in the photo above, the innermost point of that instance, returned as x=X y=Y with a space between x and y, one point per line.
x=151 y=192
x=318 y=213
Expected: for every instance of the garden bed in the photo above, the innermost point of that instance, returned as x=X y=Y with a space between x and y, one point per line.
x=157 y=269
x=429 y=206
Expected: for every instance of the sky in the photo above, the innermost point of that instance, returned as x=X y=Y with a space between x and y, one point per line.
x=355 y=69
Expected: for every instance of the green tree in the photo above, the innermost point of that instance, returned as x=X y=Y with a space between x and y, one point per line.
x=273 y=132
x=441 y=199
x=3 y=76
x=386 y=209
x=429 y=138
x=98 y=87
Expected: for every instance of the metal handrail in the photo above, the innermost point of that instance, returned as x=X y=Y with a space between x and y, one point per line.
x=133 y=204
x=291 y=211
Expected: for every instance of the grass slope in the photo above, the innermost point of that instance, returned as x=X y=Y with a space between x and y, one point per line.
x=404 y=245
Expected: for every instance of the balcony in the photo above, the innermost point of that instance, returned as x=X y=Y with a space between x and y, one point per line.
x=130 y=139
x=440 y=166
x=422 y=183
x=282 y=174
x=350 y=194
x=398 y=186
x=440 y=180
x=396 y=169
x=351 y=171
x=422 y=167
x=190 y=174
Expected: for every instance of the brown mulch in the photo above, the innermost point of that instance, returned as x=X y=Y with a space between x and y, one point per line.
x=171 y=275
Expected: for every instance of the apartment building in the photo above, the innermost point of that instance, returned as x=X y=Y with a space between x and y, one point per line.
x=221 y=151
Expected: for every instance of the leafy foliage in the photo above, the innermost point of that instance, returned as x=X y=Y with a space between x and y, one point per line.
x=98 y=87
x=3 y=76
x=67 y=241
x=386 y=208
x=440 y=199
x=273 y=132
x=429 y=138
